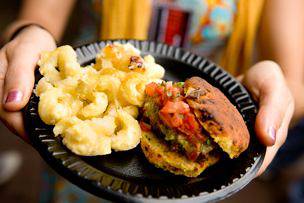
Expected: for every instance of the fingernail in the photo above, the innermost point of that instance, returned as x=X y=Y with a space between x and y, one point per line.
x=14 y=96
x=272 y=134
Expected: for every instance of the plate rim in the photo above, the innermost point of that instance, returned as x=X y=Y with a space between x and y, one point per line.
x=108 y=193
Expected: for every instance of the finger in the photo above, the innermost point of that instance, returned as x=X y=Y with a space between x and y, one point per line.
x=19 y=78
x=265 y=80
x=12 y=120
x=281 y=136
x=270 y=154
x=272 y=109
x=275 y=103
x=240 y=78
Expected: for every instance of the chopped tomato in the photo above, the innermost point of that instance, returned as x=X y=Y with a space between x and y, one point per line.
x=176 y=93
x=160 y=90
x=175 y=107
x=151 y=89
x=172 y=120
x=191 y=122
x=173 y=91
x=175 y=112
x=178 y=115
x=144 y=126
x=191 y=126
x=172 y=113
x=193 y=155
x=164 y=92
x=157 y=91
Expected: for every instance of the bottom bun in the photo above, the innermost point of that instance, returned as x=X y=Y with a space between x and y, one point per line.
x=159 y=154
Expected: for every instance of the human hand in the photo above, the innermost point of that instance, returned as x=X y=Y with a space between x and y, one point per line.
x=18 y=59
x=297 y=89
x=267 y=85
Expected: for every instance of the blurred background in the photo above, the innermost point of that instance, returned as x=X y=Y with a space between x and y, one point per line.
x=35 y=181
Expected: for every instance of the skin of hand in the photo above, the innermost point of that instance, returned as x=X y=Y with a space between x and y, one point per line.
x=18 y=59
x=42 y=13
x=297 y=89
x=281 y=39
x=266 y=83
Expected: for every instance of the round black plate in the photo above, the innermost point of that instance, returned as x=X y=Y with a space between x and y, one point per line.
x=127 y=176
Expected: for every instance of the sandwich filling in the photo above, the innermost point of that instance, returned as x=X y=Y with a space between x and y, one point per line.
x=167 y=113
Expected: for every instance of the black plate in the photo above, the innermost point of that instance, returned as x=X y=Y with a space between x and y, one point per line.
x=127 y=176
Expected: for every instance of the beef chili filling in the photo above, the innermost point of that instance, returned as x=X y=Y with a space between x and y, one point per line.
x=171 y=118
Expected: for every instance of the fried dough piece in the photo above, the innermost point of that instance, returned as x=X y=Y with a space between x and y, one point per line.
x=161 y=156
x=218 y=116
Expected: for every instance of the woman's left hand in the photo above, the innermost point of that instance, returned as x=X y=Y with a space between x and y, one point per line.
x=267 y=85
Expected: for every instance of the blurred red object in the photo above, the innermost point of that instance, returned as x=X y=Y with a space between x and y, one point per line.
x=170 y=24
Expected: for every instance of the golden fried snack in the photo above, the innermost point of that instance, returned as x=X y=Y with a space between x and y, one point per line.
x=94 y=108
x=161 y=156
x=218 y=116
x=54 y=105
x=188 y=126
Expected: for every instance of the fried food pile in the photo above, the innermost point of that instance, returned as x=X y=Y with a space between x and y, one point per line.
x=94 y=108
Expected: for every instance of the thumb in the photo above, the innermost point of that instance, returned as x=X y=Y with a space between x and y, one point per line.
x=22 y=55
x=270 y=115
x=19 y=78
x=266 y=82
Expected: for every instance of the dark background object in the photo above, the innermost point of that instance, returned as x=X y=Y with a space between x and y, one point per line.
x=127 y=175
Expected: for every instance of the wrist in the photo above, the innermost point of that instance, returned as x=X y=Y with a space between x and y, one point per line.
x=11 y=28
x=18 y=27
x=33 y=36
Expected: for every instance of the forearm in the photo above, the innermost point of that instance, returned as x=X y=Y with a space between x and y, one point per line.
x=281 y=37
x=51 y=14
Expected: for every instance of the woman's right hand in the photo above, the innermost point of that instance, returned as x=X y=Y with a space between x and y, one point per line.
x=18 y=59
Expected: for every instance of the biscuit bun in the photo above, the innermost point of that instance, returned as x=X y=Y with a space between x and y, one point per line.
x=220 y=122
x=218 y=116
x=159 y=154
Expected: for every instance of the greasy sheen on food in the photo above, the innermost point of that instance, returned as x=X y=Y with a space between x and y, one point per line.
x=163 y=157
x=217 y=116
x=191 y=123
x=94 y=108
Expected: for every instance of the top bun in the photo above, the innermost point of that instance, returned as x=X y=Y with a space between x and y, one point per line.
x=218 y=116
